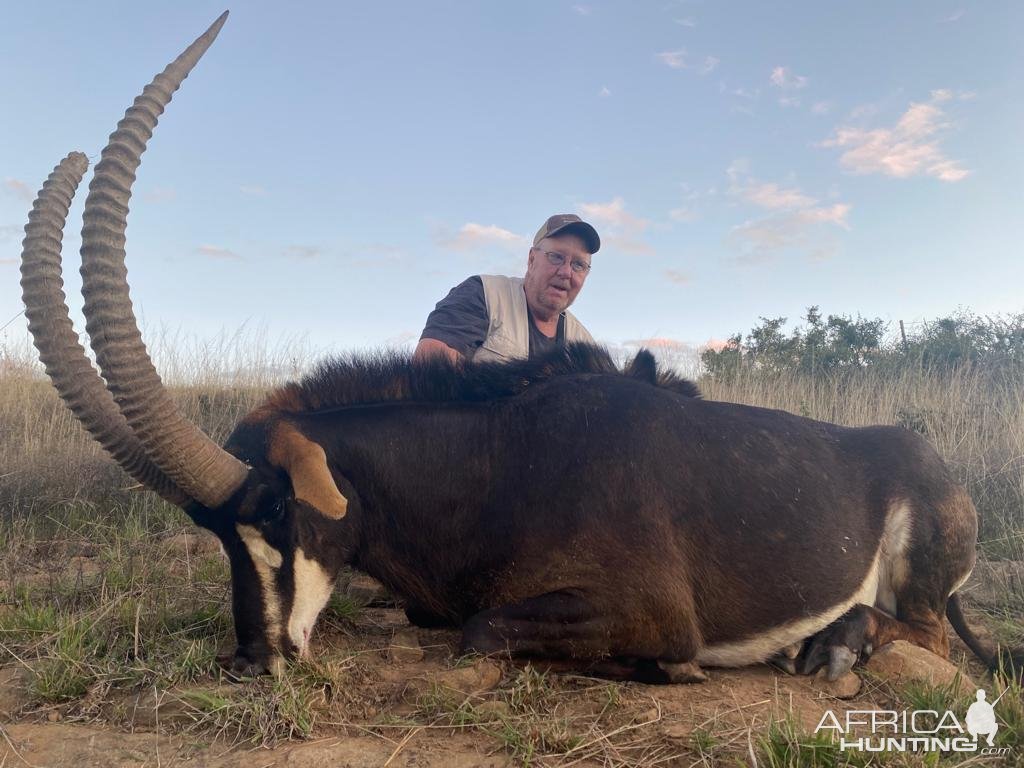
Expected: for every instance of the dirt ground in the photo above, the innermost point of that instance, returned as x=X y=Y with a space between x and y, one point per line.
x=401 y=708
x=382 y=693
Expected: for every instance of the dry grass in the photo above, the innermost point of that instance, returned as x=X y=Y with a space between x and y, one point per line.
x=973 y=417
x=47 y=460
x=104 y=619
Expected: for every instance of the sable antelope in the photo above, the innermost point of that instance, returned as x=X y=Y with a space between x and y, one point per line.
x=560 y=509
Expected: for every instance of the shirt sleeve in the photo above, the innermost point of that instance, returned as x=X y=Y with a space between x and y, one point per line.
x=460 y=319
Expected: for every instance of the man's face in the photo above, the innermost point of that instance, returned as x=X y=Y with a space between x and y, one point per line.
x=550 y=289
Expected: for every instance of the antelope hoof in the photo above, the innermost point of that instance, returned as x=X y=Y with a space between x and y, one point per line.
x=238 y=666
x=840 y=661
x=784 y=663
x=687 y=672
x=786 y=658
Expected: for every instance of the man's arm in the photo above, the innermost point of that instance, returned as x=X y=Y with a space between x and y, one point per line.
x=431 y=347
x=458 y=325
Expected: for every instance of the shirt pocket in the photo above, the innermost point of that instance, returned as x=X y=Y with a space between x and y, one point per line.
x=497 y=346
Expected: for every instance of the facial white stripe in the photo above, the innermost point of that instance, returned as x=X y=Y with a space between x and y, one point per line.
x=258 y=546
x=313 y=587
x=266 y=560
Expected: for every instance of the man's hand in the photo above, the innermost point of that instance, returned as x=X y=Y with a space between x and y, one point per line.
x=430 y=347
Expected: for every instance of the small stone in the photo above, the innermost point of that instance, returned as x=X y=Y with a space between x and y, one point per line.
x=405 y=648
x=901 y=661
x=651 y=715
x=679 y=730
x=152 y=708
x=368 y=591
x=481 y=677
x=846 y=687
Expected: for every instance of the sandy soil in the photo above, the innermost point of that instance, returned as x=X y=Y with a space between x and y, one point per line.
x=401 y=698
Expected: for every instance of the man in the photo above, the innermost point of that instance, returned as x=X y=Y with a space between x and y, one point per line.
x=493 y=317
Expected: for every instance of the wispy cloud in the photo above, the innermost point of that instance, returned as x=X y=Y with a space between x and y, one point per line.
x=658 y=342
x=583 y=10
x=253 y=190
x=605 y=92
x=303 y=252
x=798 y=221
x=216 y=252
x=618 y=227
x=714 y=344
x=746 y=97
x=683 y=213
x=783 y=78
x=613 y=214
x=912 y=147
x=19 y=189
x=953 y=17
x=673 y=59
x=6 y=260
x=11 y=232
x=473 y=237
x=764 y=194
x=680 y=60
x=789 y=101
x=863 y=112
x=686 y=22
x=760 y=239
x=821 y=107
x=677 y=277
x=743 y=93
x=687 y=211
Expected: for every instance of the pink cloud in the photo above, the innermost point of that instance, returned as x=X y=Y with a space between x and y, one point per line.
x=472 y=236
x=783 y=78
x=798 y=221
x=618 y=228
x=909 y=148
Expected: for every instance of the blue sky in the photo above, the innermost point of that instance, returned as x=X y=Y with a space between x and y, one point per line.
x=330 y=170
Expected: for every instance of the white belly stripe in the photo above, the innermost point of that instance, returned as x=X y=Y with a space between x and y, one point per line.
x=889 y=570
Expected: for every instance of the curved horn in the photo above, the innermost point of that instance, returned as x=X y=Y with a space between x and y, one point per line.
x=78 y=383
x=197 y=465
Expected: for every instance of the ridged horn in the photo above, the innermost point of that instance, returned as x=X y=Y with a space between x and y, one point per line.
x=49 y=321
x=200 y=467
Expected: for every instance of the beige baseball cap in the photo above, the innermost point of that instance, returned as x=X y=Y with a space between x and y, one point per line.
x=573 y=224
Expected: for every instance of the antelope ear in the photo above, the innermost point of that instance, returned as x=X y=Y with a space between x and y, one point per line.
x=306 y=465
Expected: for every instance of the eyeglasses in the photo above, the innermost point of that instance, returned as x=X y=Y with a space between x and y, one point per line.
x=557 y=259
